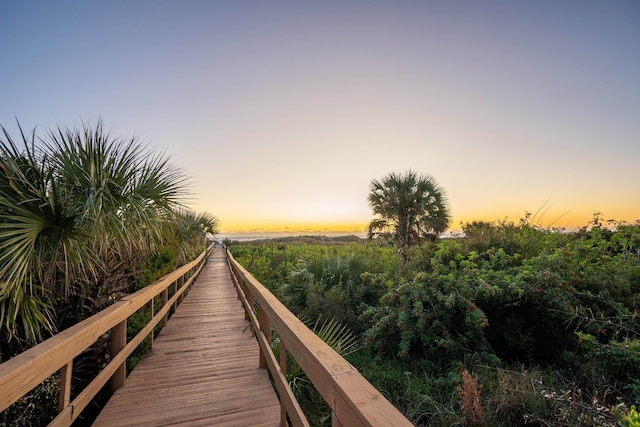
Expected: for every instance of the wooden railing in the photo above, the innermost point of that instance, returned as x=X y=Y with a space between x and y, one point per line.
x=27 y=370
x=352 y=399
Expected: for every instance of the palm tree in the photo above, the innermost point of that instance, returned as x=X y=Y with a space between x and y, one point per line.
x=411 y=207
x=189 y=232
x=78 y=211
x=35 y=229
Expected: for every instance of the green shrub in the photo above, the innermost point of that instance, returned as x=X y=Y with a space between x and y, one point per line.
x=513 y=291
x=332 y=287
x=425 y=397
x=423 y=319
x=631 y=418
x=136 y=323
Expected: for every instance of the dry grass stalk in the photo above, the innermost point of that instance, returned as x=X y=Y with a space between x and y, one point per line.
x=469 y=394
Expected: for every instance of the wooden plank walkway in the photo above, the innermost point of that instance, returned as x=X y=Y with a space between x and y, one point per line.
x=203 y=368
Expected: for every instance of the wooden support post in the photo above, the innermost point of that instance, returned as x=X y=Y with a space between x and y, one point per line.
x=283 y=368
x=237 y=284
x=335 y=422
x=265 y=328
x=151 y=307
x=118 y=341
x=65 y=386
x=249 y=296
x=175 y=291
x=165 y=299
x=179 y=284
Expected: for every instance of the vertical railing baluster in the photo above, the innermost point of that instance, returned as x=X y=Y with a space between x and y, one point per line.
x=118 y=341
x=165 y=299
x=249 y=296
x=65 y=386
x=175 y=287
x=283 y=368
x=265 y=328
x=179 y=284
x=151 y=303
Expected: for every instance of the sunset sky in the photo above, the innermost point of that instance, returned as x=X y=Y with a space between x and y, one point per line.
x=283 y=112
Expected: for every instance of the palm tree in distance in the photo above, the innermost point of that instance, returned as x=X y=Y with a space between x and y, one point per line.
x=410 y=208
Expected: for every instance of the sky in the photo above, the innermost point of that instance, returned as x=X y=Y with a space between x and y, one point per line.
x=282 y=112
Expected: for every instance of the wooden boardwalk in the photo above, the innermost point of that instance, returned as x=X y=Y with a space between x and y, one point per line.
x=203 y=369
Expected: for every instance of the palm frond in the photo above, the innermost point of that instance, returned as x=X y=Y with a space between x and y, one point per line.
x=337 y=336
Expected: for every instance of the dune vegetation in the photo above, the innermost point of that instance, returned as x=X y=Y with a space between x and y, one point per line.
x=507 y=324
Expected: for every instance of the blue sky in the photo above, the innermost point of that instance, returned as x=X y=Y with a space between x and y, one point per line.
x=283 y=112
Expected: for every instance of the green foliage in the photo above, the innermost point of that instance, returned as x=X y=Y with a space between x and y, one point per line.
x=409 y=207
x=423 y=397
x=333 y=287
x=337 y=336
x=187 y=234
x=158 y=264
x=270 y=263
x=537 y=396
x=631 y=418
x=544 y=321
x=136 y=323
x=334 y=274
x=427 y=319
x=609 y=356
x=78 y=213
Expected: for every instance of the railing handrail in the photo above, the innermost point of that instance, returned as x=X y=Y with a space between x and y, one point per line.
x=352 y=399
x=22 y=373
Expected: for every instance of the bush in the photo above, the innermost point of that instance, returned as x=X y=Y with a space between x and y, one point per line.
x=423 y=319
x=556 y=308
x=333 y=287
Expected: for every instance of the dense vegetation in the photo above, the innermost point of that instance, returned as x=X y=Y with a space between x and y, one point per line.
x=508 y=324
x=85 y=218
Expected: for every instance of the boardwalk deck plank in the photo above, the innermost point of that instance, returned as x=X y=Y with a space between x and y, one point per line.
x=203 y=369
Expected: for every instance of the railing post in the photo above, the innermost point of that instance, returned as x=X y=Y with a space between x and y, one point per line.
x=118 y=341
x=152 y=308
x=283 y=368
x=175 y=291
x=165 y=299
x=236 y=283
x=265 y=328
x=179 y=284
x=65 y=386
x=249 y=297
x=335 y=422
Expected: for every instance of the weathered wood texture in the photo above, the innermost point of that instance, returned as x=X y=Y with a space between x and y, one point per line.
x=203 y=368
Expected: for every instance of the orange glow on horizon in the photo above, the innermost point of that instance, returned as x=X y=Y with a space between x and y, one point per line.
x=292 y=227
x=565 y=220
